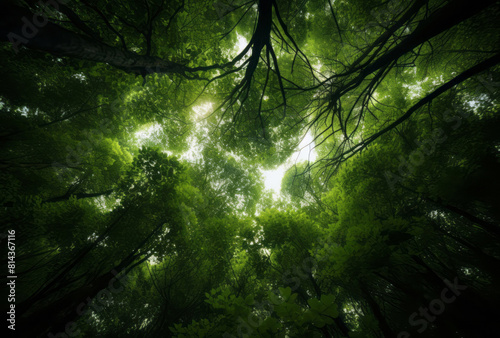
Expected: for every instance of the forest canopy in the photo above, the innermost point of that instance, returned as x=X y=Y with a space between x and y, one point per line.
x=139 y=139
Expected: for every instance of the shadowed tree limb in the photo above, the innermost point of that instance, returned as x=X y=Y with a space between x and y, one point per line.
x=482 y=66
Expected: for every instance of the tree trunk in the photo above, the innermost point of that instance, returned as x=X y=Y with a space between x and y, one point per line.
x=440 y=21
x=377 y=312
x=78 y=196
x=18 y=26
x=56 y=315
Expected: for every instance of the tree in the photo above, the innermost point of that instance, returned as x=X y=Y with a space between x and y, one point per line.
x=134 y=137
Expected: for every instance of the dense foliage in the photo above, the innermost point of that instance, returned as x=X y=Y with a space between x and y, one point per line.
x=134 y=135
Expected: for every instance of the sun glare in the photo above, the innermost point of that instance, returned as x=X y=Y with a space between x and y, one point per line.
x=146 y=132
x=202 y=110
x=305 y=152
x=242 y=43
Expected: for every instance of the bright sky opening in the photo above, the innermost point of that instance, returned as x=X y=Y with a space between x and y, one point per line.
x=272 y=178
x=146 y=132
x=242 y=43
x=305 y=152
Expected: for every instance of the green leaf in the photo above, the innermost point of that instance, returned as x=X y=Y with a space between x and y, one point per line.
x=285 y=292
